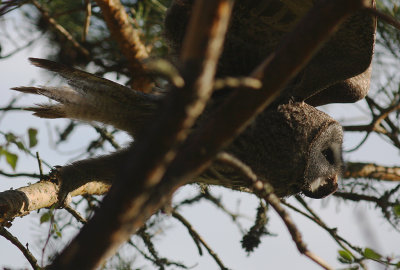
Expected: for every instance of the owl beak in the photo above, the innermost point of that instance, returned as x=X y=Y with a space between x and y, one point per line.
x=321 y=187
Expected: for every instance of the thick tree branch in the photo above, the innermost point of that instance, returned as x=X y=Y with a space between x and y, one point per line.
x=371 y=171
x=44 y=194
x=128 y=41
x=122 y=212
x=21 y=201
x=130 y=203
x=291 y=55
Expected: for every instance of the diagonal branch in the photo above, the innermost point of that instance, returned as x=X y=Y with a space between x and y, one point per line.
x=375 y=124
x=130 y=203
x=385 y=17
x=128 y=41
x=122 y=212
x=197 y=237
x=61 y=29
x=371 y=171
x=265 y=191
x=275 y=72
x=28 y=255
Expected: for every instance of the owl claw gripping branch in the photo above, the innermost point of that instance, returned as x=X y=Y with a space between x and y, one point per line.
x=292 y=145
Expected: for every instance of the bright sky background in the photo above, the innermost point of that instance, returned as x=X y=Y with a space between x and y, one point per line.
x=353 y=221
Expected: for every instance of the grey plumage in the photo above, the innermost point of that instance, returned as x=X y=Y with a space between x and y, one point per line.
x=91 y=98
x=292 y=145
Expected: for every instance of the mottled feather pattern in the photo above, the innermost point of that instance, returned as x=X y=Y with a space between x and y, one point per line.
x=91 y=98
x=92 y=86
x=291 y=144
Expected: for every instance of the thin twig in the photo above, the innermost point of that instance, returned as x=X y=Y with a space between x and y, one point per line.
x=75 y=214
x=331 y=231
x=20 y=48
x=159 y=261
x=274 y=201
x=196 y=235
x=40 y=165
x=33 y=175
x=5 y=109
x=359 y=144
x=206 y=195
x=88 y=10
x=28 y=255
x=217 y=202
x=320 y=223
x=60 y=29
x=265 y=191
x=153 y=260
x=381 y=202
x=108 y=136
x=51 y=224
x=376 y=123
x=384 y=17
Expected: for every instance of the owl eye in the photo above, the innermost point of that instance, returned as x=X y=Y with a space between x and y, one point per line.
x=329 y=155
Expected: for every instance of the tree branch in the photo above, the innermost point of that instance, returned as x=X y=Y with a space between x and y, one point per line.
x=33 y=175
x=128 y=41
x=385 y=17
x=265 y=191
x=60 y=29
x=130 y=203
x=28 y=255
x=197 y=237
x=371 y=171
x=43 y=194
x=122 y=211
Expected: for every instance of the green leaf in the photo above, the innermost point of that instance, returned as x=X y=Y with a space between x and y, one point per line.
x=20 y=145
x=396 y=210
x=56 y=230
x=371 y=254
x=32 y=132
x=10 y=137
x=58 y=233
x=346 y=256
x=11 y=159
x=45 y=217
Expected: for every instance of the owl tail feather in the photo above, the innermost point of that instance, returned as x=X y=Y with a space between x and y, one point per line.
x=91 y=98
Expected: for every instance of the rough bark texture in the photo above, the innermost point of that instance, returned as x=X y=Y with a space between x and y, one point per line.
x=122 y=209
x=43 y=194
x=128 y=40
x=371 y=171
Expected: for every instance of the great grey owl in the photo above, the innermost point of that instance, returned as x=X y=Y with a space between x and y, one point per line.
x=291 y=145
